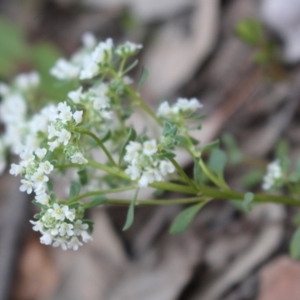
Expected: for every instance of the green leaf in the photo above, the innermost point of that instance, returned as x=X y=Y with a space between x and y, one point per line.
x=98 y=200
x=74 y=205
x=144 y=76
x=217 y=162
x=74 y=189
x=248 y=198
x=210 y=146
x=295 y=244
x=166 y=155
x=250 y=31
x=83 y=176
x=131 y=136
x=130 y=213
x=253 y=178
x=235 y=155
x=245 y=205
x=185 y=218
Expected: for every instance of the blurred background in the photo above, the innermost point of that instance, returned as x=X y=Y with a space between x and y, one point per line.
x=240 y=58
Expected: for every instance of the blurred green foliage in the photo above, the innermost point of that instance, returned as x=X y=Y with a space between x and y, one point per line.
x=17 y=54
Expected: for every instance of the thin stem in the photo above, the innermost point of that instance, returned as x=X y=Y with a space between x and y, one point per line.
x=100 y=143
x=100 y=192
x=143 y=105
x=157 y=201
x=211 y=176
x=183 y=174
x=167 y=186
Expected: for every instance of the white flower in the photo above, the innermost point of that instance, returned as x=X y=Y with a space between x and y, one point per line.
x=66 y=228
x=43 y=198
x=166 y=167
x=52 y=131
x=45 y=167
x=74 y=243
x=147 y=178
x=78 y=158
x=69 y=213
x=38 y=225
x=188 y=105
x=39 y=177
x=46 y=239
x=85 y=236
x=64 y=136
x=64 y=70
x=40 y=152
x=89 y=41
x=53 y=145
x=90 y=70
x=79 y=227
x=77 y=116
x=27 y=186
x=75 y=96
x=133 y=171
x=128 y=48
x=27 y=157
x=60 y=241
x=132 y=151
x=57 y=212
x=16 y=169
x=4 y=89
x=65 y=112
x=40 y=188
x=106 y=114
x=27 y=81
x=273 y=174
x=164 y=110
x=149 y=147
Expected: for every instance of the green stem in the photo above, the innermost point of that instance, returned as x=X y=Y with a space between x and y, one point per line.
x=156 y=201
x=211 y=176
x=167 y=186
x=143 y=105
x=100 y=143
x=100 y=192
x=183 y=174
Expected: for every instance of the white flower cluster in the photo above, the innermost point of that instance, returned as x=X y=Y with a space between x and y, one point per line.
x=179 y=110
x=35 y=170
x=128 y=49
x=62 y=121
x=60 y=227
x=95 y=100
x=274 y=173
x=13 y=112
x=144 y=164
x=89 y=61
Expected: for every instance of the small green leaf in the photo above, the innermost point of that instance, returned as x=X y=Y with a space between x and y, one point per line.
x=144 y=76
x=131 y=136
x=250 y=31
x=210 y=146
x=185 y=218
x=106 y=136
x=130 y=213
x=83 y=176
x=98 y=200
x=295 y=244
x=248 y=198
x=74 y=189
x=217 y=162
x=252 y=178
